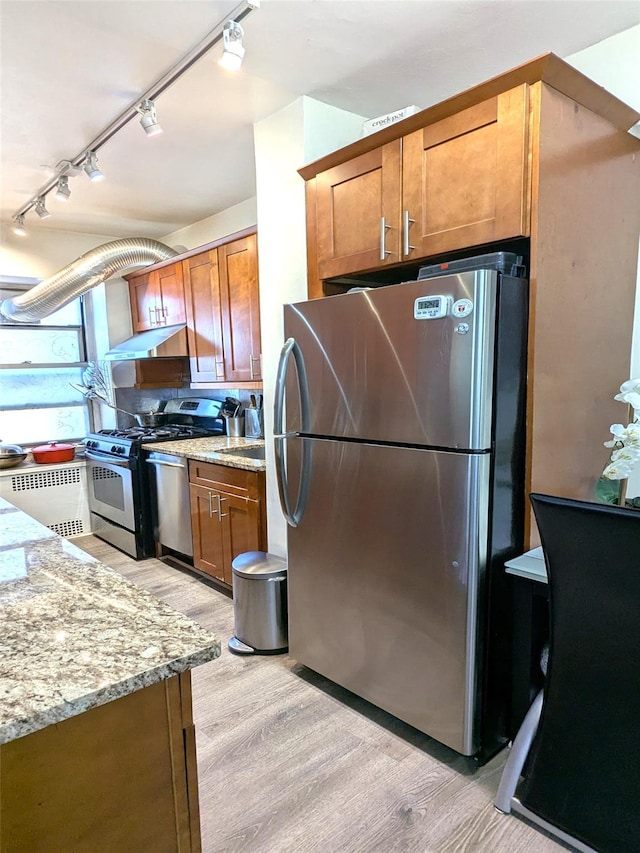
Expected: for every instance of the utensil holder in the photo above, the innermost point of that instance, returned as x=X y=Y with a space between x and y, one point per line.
x=235 y=427
x=253 y=424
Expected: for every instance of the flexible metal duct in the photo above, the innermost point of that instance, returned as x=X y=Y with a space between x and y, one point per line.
x=81 y=275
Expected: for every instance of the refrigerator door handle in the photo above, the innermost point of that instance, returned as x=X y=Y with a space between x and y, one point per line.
x=294 y=516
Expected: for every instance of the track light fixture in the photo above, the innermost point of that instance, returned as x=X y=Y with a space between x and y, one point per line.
x=18 y=225
x=91 y=167
x=40 y=209
x=149 y=118
x=234 y=51
x=62 y=189
x=229 y=32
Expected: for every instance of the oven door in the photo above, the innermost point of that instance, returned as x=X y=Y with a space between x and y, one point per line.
x=110 y=485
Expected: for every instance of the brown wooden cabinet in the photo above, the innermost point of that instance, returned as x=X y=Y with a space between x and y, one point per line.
x=216 y=293
x=457 y=182
x=121 y=776
x=204 y=317
x=227 y=516
x=157 y=298
x=536 y=160
x=223 y=313
x=238 y=264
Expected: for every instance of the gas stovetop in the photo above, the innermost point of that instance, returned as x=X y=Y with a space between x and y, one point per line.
x=127 y=442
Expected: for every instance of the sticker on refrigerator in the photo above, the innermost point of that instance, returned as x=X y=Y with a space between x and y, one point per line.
x=462 y=308
x=431 y=307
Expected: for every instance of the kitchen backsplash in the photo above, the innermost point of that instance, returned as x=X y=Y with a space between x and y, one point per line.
x=135 y=400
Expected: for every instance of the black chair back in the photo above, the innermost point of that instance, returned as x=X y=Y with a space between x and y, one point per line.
x=584 y=770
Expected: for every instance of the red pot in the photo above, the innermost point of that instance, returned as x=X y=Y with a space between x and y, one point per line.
x=54 y=451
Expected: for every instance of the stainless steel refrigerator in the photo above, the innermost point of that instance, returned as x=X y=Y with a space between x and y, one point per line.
x=399 y=423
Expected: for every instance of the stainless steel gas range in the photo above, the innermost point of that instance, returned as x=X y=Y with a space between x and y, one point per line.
x=118 y=482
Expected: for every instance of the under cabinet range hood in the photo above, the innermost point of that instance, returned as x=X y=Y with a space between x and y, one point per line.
x=163 y=342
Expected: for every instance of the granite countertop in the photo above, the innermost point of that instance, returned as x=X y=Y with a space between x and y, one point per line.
x=218 y=449
x=75 y=634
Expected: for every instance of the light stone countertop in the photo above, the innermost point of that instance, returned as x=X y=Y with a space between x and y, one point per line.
x=75 y=634
x=217 y=449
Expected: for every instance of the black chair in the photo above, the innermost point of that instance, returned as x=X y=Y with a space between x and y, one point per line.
x=579 y=744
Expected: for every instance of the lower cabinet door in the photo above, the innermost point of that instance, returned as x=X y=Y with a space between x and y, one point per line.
x=241 y=528
x=207 y=532
x=223 y=525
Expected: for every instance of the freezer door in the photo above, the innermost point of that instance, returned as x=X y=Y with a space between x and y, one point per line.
x=385 y=572
x=409 y=363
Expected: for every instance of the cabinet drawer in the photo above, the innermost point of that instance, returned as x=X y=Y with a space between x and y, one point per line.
x=235 y=481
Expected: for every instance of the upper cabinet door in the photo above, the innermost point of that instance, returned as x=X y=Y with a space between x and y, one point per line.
x=465 y=180
x=358 y=213
x=204 y=317
x=172 y=294
x=146 y=305
x=238 y=265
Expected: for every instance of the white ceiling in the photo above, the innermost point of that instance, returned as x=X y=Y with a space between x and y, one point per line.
x=70 y=67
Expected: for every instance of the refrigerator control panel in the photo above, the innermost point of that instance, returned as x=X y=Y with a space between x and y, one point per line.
x=431 y=307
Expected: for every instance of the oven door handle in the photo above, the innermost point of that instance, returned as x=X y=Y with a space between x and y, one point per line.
x=106 y=459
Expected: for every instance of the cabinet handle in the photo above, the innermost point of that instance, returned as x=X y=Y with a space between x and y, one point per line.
x=405 y=229
x=255 y=374
x=152 y=322
x=383 y=236
x=165 y=313
x=221 y=514
x=218 y=374
x=155 y=311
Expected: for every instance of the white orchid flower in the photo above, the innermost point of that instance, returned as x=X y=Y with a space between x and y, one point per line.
x=630 y=394
x=625 y=444
x=628 y=435
x=626 y=454
x=617 y=470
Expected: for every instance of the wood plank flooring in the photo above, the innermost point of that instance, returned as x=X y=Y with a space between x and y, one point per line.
x=289 y=762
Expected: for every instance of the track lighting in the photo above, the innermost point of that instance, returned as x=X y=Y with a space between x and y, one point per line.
x=62 y=189
x=18 y=225
x=228 y=31
x=91 y=167
x=40 y=209
x=234 y=51
x=148 y=118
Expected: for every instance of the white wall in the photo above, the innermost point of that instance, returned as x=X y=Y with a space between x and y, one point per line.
x=233 y=219
x=285 y=141
x=44 y=252
x=615 y=64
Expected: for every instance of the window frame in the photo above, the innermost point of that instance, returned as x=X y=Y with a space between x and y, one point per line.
x=80 y=328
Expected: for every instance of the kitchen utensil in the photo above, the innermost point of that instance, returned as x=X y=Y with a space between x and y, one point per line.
x=11 y=454
x=252 y=397
x=53 y=451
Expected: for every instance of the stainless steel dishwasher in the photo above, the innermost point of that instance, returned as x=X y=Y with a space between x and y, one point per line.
x=172 y=514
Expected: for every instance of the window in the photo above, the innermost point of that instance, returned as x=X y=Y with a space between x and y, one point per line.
x=39 y=365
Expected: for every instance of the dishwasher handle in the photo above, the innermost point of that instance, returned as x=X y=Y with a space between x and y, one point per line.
x=166 y=464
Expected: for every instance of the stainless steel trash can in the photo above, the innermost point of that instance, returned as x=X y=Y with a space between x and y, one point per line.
x=259 y=603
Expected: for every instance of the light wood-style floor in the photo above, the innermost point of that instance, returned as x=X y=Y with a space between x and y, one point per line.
x=289 y=762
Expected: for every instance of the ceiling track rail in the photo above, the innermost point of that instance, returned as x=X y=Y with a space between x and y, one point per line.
x=239 y=13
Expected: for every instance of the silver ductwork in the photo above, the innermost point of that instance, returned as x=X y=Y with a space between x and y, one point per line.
x=81 y=275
